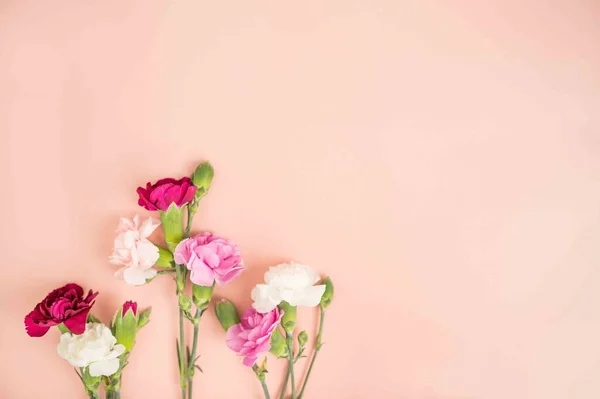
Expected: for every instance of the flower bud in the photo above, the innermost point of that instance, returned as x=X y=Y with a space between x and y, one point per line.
x=202 y=178
x=201 y=295
x=278 y=345
x=226 y=313
x=289 y=316
x=302 y=338
x=185 y=303
x=327 y=297
x=125 y=324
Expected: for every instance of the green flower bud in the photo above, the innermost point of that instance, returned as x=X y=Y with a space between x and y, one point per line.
x=172 y=222
x=202 y=178
x=226 y=313
x=165 y=258
x=327 y=297
x=201 y=295
x=288 y=321
x=125 y=324
x=302 y=338
x=278 y=345
x=185 y=303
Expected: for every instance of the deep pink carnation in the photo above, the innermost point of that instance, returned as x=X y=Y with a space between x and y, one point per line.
x=160 y=195
x=210 y=258
x=63 y=305
x=252 y=336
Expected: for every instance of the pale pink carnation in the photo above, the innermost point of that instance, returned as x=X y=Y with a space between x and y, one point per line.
x=134 y=252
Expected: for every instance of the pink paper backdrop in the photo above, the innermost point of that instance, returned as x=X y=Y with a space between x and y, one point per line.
x=440 y=159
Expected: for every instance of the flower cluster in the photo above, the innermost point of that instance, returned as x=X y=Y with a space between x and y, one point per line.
x=96 y=349
x=202 y=260
x=269 y=325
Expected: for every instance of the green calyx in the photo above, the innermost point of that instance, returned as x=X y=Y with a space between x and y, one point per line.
x=201 y=295
x=327 y=297
x=288 y=321
x=165 y=258
x=172 y=222
x=125 y=326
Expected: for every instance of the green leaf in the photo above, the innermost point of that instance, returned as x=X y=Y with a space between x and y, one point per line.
x=278 y=345
x=144 y=317
x=178 y=354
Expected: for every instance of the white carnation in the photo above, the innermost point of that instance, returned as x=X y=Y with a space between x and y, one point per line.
x=290 y=282
x=96 y=348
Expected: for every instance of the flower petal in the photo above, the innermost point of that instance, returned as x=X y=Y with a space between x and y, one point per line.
x=250 y=360
x=202 y=274
x=148 y=227
x=33 y=328
x=265 y=297
x=310 y=296
x=147 y=253
x=105 y=367
x=134 y=276
x=76 y=324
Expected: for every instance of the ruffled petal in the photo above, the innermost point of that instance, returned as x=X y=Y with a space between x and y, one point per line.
x=106 y=367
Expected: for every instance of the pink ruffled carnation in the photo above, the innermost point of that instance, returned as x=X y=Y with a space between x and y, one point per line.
x=252 y=336
x=210 y=258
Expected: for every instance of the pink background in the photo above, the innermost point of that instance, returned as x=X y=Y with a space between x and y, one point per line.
x=439 y=159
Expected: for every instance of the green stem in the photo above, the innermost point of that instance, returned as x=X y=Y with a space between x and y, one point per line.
x=316 y=351
x=182 y=356
x=192 y=360
x=113 y=394
x=190 y=218
x=290 y=344
x=262 y=382
x=285 y=383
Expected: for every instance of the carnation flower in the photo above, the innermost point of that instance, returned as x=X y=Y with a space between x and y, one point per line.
x=290 y=282
x=252 y=335
x=134 y=251
x=210 y=258
x=66 y=305
x=96 y=348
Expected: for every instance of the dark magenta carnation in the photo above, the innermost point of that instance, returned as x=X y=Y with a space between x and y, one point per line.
x=63 y=305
